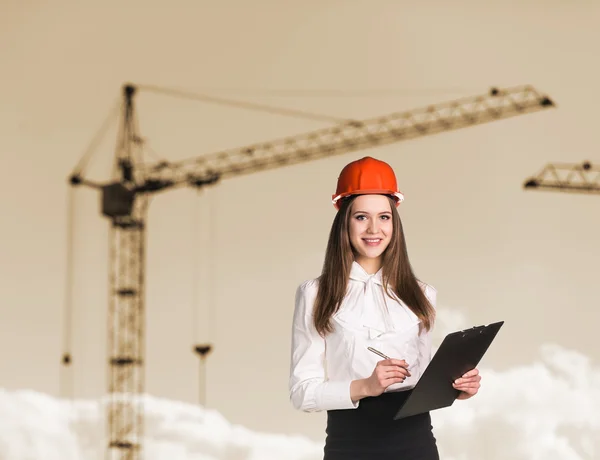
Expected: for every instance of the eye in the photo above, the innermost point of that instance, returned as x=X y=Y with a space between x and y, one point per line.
x=360 y=217
x=386 y=217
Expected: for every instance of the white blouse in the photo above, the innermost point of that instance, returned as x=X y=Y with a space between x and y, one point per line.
x=322 y=369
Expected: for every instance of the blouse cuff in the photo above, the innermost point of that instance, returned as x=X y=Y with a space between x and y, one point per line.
x=335 y=395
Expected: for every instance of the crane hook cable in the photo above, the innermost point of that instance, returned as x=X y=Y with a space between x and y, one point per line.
x=83 y=161
x=244 y=105
x=195 y=256
x=253 y=106
x=66 y=376
x=345 y=93
x=207 y=280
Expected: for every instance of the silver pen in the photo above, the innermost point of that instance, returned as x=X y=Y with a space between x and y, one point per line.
x=377 y=352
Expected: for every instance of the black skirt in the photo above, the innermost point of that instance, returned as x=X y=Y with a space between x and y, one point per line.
x=370 y=432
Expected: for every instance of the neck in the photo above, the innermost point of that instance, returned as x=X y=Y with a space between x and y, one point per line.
x=371 y=266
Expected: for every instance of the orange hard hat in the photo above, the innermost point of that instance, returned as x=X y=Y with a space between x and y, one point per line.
x=367 y=176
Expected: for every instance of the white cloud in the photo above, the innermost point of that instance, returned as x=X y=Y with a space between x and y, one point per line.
x=550 y=409
x=37 y=426
x=546 y=410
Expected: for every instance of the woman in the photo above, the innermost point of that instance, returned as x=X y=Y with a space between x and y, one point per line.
x=366 y=296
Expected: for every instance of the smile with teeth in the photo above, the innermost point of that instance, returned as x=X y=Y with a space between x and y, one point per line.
x=372 y=241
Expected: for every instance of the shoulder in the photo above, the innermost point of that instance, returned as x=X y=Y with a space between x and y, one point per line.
x=306 y=292
x=308 y=287
x=430 y=292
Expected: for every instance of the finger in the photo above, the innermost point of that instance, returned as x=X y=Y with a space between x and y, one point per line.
x=386 y=383
x=393 y=362
x=476 y=378
x=396 y=372
x=467 y=382
x=471 y=373
x=467 y=386
x=393 y=376
x=394 y=369
x=470 y=391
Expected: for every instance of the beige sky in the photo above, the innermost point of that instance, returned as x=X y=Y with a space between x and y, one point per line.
x=492 y=250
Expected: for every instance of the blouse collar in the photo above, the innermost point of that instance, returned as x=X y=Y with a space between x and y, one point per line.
x=358 y=273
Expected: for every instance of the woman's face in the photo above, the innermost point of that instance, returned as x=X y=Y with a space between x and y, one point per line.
x=370 y=228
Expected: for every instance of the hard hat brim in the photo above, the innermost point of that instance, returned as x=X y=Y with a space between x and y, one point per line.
x=399 y=196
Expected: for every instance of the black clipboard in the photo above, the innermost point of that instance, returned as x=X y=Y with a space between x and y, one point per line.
x=459 y=352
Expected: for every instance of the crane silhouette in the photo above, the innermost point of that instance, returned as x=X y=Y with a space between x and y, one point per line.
x=567 y=177
x=125 y=200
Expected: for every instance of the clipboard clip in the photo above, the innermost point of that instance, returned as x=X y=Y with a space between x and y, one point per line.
x=466 y=332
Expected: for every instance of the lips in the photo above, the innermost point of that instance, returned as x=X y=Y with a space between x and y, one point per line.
x=372 y=241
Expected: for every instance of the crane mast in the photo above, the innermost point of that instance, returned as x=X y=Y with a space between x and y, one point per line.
x=125 y=202
x=126 y=319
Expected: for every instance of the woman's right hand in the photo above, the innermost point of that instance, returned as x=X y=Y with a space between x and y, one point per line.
x=387 y=372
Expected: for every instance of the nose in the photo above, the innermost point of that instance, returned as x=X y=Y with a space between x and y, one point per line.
x=373 y=226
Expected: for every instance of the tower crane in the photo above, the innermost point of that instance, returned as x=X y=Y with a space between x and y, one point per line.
x=125 y=199
x=567 y=177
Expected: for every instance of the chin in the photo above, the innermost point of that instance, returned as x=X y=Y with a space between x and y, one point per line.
x=370 y=253
x=373 y=256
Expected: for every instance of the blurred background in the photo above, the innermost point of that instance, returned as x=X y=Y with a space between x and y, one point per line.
x=222 y=261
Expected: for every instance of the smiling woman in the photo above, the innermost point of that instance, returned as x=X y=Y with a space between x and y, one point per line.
x=367 y=302
x=370 y=229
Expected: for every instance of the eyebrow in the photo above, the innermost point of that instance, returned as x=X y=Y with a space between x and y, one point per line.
x=365 y=212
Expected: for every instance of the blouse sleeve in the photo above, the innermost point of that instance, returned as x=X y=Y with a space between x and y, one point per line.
x=310 y=391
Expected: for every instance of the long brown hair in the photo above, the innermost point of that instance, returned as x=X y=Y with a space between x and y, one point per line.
x=397 y=273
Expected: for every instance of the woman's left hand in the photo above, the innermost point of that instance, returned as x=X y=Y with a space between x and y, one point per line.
x=468 y=384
